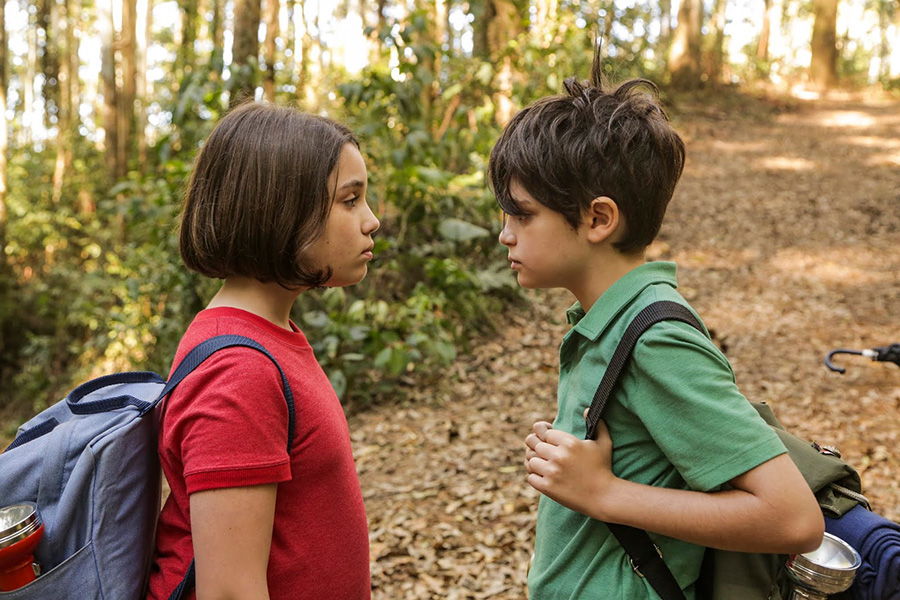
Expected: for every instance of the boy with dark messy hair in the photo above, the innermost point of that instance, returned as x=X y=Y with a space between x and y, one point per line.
x=584 y=179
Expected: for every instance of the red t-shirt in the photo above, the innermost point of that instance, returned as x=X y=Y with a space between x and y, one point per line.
x=226 y=425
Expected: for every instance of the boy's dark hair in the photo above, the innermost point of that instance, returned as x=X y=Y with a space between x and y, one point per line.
x=593 y=141
x=259 y=195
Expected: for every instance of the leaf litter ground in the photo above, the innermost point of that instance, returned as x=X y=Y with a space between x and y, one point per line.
x=786 y=230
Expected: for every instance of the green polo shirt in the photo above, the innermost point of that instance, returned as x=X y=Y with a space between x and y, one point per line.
x=677 y=420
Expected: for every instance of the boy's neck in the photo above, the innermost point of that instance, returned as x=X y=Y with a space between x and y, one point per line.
x=608 y=268
x=267 y=300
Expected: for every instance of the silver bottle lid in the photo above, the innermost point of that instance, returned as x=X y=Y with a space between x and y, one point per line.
x=17 y=522
x=829 y=569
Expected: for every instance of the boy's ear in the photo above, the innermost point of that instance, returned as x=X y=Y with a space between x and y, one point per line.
x=602 y=219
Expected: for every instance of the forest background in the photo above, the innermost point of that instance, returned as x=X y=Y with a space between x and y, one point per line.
x=107 y=101
x=785 y=226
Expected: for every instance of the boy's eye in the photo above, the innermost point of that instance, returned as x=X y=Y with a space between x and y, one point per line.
x=518 y=218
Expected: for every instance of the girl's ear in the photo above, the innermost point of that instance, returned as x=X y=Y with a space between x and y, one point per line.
x=602 y=219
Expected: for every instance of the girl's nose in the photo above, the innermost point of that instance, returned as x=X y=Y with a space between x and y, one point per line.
x=371 y=224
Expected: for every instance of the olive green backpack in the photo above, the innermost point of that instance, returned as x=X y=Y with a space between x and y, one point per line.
x=725 y=575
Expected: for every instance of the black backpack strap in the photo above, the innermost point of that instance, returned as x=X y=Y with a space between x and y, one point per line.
x=186 y=585
x=646 y=558
x=194 y=359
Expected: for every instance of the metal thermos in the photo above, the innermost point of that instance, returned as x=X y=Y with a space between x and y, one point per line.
x=829 y=569
x=21 y=529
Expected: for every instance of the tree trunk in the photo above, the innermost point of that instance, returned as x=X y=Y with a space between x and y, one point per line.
x=108 y=83
x=271 y=34
x=500 y=22
x=7 y=281
x=381 y=4
x=245 y=52
x=290 y=40
x=142 y=42
x=884 y=47
x=434 y=36
x=717 y=51
x=125 y=101
x=484 y=13
x=64 y=111
x=684 y=58
x=28 y=116
x=3 y=137
x=217 y=34
x=74 y=11
x=762 y=46
x=311 y=67
x=48 y=16
x=823 y=63
x=302 y=42
x=665 y=28
x=185 y=56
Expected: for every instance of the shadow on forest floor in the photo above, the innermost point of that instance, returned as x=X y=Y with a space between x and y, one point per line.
x=786 y=230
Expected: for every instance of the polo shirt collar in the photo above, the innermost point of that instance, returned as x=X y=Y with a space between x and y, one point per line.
x=619 y=296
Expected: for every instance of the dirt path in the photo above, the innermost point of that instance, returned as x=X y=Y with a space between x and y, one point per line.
x=786 y=229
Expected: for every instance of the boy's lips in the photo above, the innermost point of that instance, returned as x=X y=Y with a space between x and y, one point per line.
x=514 y=264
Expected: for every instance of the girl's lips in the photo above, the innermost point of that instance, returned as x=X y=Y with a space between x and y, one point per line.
x=368 y=254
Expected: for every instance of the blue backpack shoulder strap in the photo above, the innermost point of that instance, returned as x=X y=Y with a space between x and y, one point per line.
x=190 y=362
x=204 y=350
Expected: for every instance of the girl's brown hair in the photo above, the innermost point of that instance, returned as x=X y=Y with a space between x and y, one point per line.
x=258 y=195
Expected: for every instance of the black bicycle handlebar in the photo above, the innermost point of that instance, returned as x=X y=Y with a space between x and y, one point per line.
x=889 y=353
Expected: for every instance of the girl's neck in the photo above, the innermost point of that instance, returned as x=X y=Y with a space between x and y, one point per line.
x=267 y=300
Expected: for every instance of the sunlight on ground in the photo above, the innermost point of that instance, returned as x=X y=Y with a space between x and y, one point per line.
x=868 y=141
x=737 y=147
x=841 y=266
x=847 y=118
x=717 y=258
x=804 y=94
x=787 y=163
x=878 y=143
x=880 y=160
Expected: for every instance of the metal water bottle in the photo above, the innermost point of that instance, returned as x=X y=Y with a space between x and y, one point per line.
x=21 y=529
x=829 y=569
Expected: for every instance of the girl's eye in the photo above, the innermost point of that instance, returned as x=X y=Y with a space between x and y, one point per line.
x=351 y=202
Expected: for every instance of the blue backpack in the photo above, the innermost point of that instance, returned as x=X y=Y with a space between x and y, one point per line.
x=90 y=463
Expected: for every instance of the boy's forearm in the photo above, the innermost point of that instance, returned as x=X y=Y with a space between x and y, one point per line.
x=769 y=509
x=734 y=519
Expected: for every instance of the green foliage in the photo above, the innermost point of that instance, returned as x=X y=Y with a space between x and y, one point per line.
x=853 y=62
x=98 y=284
x=439 y=272
x=96 y=289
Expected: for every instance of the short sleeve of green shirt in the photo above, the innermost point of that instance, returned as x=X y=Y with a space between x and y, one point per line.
x=682 y=390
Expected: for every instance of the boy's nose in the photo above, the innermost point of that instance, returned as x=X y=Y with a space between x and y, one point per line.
x=506 y=237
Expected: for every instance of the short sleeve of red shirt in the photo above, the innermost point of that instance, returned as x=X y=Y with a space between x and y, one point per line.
x=230 y=420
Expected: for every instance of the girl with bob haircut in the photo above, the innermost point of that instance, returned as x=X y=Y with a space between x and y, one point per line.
x=275 y=205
